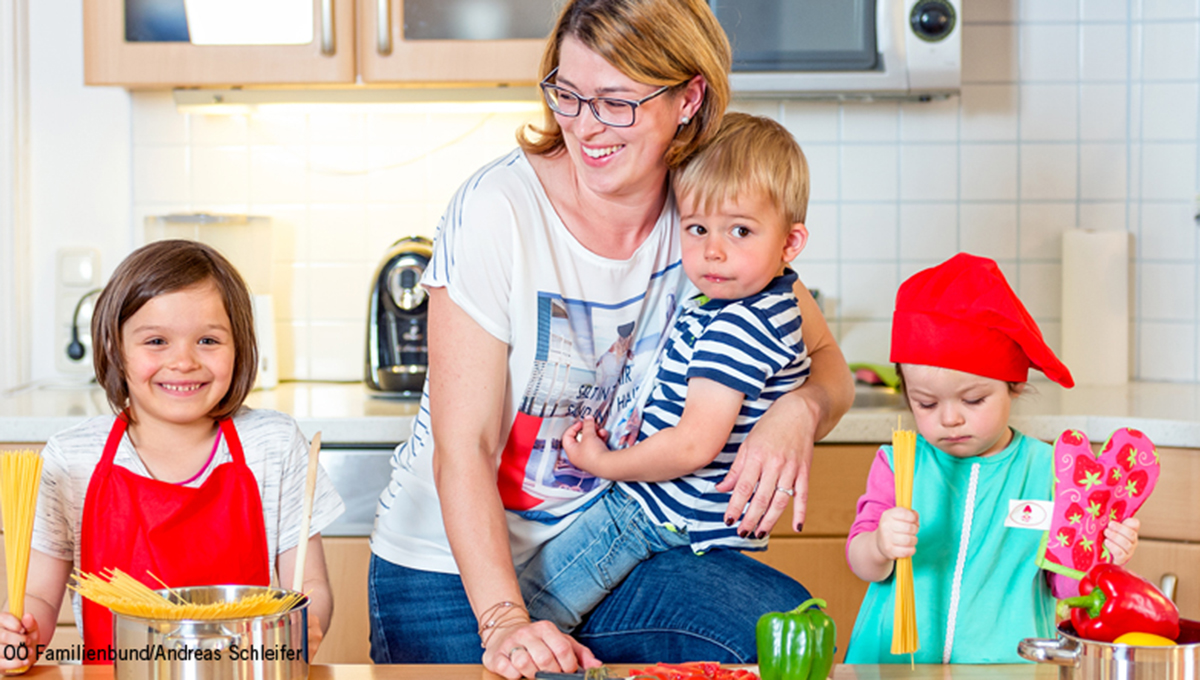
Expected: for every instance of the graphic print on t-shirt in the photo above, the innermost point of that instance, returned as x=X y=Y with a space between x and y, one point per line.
x=582 y=368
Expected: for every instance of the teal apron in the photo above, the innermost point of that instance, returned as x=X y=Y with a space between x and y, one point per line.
x=1002 y=594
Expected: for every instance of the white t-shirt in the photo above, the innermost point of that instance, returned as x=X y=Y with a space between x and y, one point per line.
x=275 y=449
x=581 y=330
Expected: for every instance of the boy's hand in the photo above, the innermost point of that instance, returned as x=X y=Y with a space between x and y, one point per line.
x=14 y=634
x=1122 y=539
x=896 y=536
x=584 y=444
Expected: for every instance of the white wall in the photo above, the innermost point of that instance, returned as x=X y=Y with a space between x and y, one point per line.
x=13 y=230
x=79 y=177
x=1072 y=115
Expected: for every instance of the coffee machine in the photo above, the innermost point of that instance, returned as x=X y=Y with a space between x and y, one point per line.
x=396 y=355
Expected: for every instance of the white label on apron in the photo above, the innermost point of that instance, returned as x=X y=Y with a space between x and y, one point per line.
x=1029 y=514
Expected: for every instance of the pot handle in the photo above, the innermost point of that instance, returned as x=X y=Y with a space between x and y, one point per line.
x=1060 y=651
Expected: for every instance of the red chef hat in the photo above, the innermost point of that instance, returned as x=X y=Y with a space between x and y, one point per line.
x=963 y=315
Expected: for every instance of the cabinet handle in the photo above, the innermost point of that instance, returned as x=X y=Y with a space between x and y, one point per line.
x=1167 y=585
x=328 y=45
x=383 y=26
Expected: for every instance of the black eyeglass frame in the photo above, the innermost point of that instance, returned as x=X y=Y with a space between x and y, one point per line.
x=547 y=86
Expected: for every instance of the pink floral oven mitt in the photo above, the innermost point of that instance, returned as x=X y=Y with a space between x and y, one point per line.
x=1092 y=490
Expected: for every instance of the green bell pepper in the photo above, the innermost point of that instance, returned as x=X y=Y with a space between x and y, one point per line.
x=796 y=645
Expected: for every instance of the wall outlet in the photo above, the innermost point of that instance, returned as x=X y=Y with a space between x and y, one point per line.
x=76 y=283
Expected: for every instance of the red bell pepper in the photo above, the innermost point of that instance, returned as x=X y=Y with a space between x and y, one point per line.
x=692 y=670
x=1114 y=601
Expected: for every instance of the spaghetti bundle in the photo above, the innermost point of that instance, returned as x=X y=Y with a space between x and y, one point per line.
x=126 y=595
x=20 y=476
x=904 y=626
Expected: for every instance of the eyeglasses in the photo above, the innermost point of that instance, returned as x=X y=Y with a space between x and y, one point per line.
x=611 y=111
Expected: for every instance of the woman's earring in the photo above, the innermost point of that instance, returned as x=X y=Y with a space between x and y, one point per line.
x=685 y=120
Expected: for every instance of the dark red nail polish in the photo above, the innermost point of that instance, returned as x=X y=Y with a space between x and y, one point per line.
x=743 y=533
x=728 y=522
x=800 y=527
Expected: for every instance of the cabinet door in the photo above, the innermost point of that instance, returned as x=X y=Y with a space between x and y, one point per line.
x=1155 y=559
x=348 y=639
x=1171 y=512
x=435 y=47
x=112 y=59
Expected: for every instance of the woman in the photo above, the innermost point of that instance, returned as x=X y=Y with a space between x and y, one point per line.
x=546 y=260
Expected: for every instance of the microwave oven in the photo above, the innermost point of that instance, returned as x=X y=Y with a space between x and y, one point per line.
x=843 y=49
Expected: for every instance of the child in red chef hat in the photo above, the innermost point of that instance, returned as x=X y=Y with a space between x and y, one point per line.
x=963 y=344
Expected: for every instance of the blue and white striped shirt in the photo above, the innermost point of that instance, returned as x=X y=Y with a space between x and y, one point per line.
x=752 y=345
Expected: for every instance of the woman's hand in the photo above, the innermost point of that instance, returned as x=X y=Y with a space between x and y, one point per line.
x=1122 y=539
x=772 y=461
x=524 y=648
x=15 y=634
x=777 y=454
x=896 y=536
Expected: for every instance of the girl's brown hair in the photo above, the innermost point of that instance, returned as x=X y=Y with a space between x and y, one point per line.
x=656 y=42
x=164 y=267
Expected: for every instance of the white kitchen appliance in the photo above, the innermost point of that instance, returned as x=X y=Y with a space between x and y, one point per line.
x=849 y=49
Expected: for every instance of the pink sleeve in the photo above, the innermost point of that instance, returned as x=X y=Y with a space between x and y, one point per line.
x=1062 y=586
x=880 y=496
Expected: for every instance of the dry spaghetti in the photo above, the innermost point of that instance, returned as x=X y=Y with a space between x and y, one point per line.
x=904 y=625
x=20 y=475
x=126 y=595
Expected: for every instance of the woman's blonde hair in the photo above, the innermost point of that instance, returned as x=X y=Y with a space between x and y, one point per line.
x=164 y=267
x=748 y=154
x=656 y=42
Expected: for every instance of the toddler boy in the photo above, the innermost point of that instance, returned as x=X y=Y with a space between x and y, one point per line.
x=732 y=350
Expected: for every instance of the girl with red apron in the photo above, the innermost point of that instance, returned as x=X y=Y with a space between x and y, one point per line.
x=208 y=535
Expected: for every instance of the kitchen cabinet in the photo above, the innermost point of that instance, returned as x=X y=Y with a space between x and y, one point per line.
x=354 y=41
x=386 y=55
x=348 y=639
x=1168 y=539
x=109 y=59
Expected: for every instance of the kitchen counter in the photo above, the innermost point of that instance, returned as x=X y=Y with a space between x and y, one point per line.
x=344 y=413
x=347 y=414
x=471 y=672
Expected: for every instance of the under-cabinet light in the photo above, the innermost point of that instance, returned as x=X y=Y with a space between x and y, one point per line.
x=373 y=100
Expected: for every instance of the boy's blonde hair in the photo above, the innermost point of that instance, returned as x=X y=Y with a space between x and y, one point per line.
x=159 y=268
x=656 y=42
x=748 y=154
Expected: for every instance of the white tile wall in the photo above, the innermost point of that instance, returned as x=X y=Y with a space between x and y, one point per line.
x=1073 y=114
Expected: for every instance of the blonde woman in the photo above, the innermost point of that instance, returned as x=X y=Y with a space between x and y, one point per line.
x=543 y=260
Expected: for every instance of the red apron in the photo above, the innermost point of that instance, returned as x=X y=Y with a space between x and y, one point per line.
x=209 y=535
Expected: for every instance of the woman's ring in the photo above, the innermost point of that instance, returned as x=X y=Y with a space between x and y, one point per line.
x=790 y=492
x=515 y=649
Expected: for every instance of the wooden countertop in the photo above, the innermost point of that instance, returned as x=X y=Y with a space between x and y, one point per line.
x=472 y=672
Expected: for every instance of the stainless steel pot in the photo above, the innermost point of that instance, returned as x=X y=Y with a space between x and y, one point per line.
x=1080 y=659
x=259 y=648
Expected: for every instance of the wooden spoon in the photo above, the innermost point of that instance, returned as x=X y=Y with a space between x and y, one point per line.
x=310 y=489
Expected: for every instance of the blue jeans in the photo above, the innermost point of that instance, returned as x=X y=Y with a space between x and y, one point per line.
x=578 y=568
x=674 y=607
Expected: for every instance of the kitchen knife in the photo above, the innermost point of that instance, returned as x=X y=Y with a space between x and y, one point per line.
x=600 y=673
